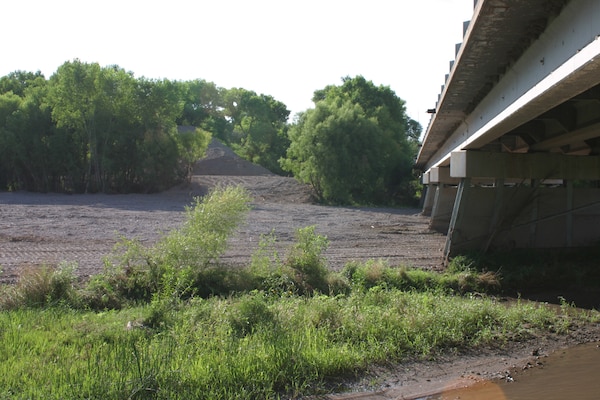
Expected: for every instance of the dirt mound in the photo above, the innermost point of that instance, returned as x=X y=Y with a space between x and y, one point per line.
x=221 y=166
x=221 y=160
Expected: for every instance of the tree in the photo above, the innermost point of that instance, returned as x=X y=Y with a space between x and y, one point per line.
x=9 y=106
x=259 y=127
x=353 y=146
x=159 y=103
x=77 y=102
x=204 y=108
x=192 y=146
x=17 y=82
x=123 y=128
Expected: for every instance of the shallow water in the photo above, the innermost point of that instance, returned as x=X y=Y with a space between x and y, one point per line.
x=573 y=373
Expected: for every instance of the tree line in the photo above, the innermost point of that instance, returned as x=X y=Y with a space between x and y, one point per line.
x=100 y=129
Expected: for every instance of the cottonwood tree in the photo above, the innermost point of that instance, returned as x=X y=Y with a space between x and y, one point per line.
x=259 y=125
x=353 y=146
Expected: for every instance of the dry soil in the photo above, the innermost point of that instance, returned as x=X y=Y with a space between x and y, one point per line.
x=46 y=229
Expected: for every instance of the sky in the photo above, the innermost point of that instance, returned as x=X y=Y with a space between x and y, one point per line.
x=283 y=48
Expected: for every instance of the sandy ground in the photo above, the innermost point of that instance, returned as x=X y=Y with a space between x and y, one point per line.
x=38 y=229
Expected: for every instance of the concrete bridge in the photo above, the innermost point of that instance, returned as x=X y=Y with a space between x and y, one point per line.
x=511 y=156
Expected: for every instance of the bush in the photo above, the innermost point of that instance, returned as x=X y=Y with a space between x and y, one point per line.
x=251 y=313
x=460 y=280
x=181 y=264
x=307 y=262
x=209 y=224
x=42 y=287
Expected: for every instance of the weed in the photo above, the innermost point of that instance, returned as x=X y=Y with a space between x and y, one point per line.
x=41 y=287
x=306 y=260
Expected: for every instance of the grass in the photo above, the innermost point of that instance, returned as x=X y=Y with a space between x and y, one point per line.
x=528 y=270
x=247 y=346
x=170 y=322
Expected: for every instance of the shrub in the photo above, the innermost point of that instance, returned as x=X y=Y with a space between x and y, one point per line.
x=182 y=263
x=251 y=313
x=43 y=286
x=306 y=261
x=209 y=224
x=377 y=273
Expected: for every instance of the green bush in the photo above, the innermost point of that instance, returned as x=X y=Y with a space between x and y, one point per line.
x=306 y=261
x=209 y=224
x=42 y=286
x=375 y=273
x=183 y=263
x=251 y=313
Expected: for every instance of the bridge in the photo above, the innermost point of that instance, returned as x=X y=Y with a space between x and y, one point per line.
x=511 y=155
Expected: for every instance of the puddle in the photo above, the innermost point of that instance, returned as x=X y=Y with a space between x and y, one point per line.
x=567 y=374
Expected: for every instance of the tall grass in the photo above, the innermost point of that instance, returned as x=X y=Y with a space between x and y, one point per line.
x=251 y=346
x=170 y=322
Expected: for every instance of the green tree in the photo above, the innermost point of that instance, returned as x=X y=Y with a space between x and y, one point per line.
x=38 y=155
x=160 y=104
x=259 y=127
x=9 y=106
x=19 y=81
x=353 y=146
x=77 y=102
x=124 y=129
x=192 y=146
x=203 y=108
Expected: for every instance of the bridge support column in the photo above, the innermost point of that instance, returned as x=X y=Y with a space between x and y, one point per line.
x=443 y=199
x=428 y=199
x=529 y=204
x=443 y=203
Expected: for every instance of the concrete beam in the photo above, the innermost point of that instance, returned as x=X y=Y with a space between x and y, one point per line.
x=479 y=164
x=442 y=175
x=579 y=135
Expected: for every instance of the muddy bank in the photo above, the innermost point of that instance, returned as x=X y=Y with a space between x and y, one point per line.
x=510 y=370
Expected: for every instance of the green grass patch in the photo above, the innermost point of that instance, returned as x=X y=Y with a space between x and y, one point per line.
x=248 y=346
x=534 y=270
x=171 y=322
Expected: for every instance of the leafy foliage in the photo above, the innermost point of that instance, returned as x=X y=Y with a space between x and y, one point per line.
x=90 y=129
x=354 y=146
x=259 y=125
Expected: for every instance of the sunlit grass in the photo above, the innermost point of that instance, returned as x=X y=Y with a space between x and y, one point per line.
x=248 y=346
x=170 y=322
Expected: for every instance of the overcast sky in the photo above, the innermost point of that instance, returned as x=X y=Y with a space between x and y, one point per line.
x=283 y=48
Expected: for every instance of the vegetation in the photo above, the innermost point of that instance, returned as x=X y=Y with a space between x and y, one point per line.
x=528 y=270
x=356 y=146
x=99 y=129
x=251 y=346
x=170 y=321
x=91 y=129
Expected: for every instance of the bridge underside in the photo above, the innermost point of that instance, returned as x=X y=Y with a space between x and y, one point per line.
x=519 y=165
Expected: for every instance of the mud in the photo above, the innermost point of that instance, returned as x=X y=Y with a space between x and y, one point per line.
x=567 y=374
